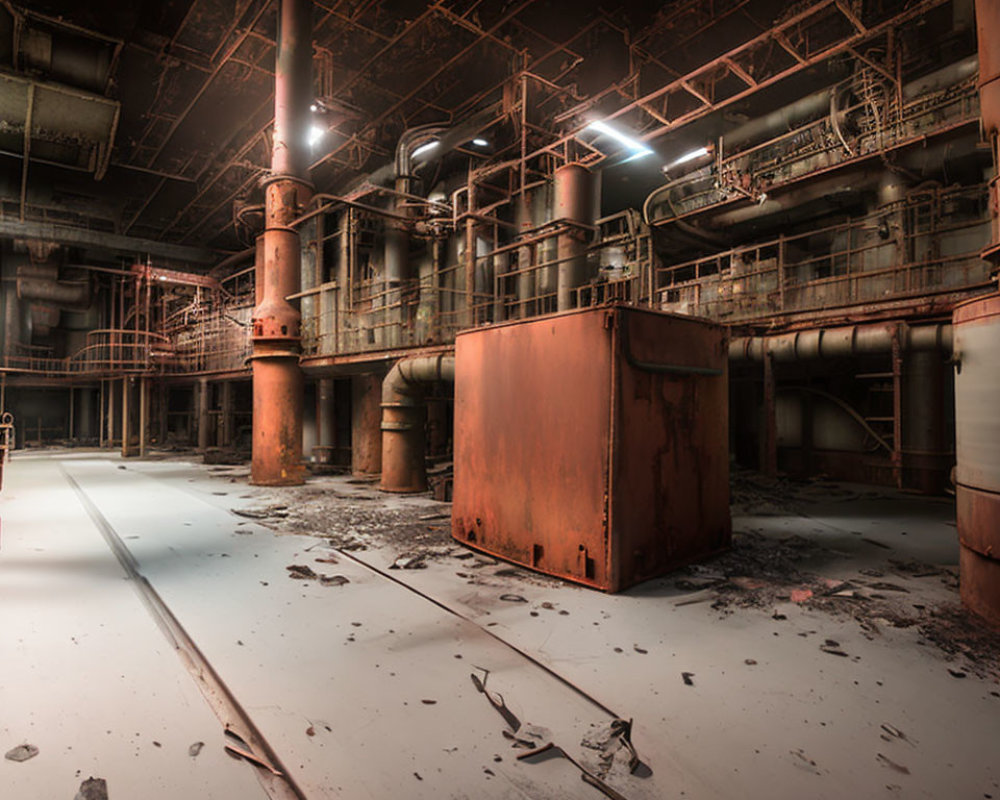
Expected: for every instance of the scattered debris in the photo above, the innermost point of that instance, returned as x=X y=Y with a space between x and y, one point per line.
x=21 y=753
x=609 y=741
x=639 y=649
x=310 y=731
x=93 y=789
x=688 y=678
x=892 y=730
x=585 y=775
x=410 y=561
x=512 y=598
x=301 y=572
x=428 y=702
x=266 y=512
x=957 y=673
x=750 y=662
x=333 y=580
x=832 y=647
x=802 y=760
x=195 y=749
x=885 y=761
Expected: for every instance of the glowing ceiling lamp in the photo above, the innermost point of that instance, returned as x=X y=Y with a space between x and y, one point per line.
x=480 y=142
x=701 y=151
x=315 y=134
x=637 y=148
x=425 y=148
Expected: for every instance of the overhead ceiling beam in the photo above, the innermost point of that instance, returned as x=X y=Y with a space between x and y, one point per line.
x=433 y=76
x=111 y=242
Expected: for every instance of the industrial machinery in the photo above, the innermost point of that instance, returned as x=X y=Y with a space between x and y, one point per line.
x=592 y=444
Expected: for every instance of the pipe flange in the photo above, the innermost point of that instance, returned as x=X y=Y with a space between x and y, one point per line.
x=274 y=177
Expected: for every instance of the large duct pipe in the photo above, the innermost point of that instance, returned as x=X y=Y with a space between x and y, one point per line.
x=851 y=340
x=403 y=413
x=574 y=202
x=65 y=295
x=277 y=378
x=799 y=113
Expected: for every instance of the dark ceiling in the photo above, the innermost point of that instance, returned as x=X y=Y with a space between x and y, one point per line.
x=195 y=82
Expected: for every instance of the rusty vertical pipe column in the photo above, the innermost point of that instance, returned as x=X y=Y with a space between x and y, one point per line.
x=277 y=378
x=977 y=380
x=201 y=393
x=325 y=421
x=258 y=271
x=574 y=201
x=366 y=418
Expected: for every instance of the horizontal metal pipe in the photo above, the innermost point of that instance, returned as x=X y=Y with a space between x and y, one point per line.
x=852 y=340
x=61 y=294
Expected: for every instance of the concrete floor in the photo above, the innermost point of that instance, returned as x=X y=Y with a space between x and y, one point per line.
x=869 y=686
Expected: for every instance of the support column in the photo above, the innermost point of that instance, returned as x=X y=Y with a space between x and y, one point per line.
x=85 y=427
x=203 y=415
x=102 y=416
x=277 y=378
x=126 y=452
x=325 y=422
x=769 y=427
x=226 y=414
x=366 y=424
x=925 y=466
x=143 y=413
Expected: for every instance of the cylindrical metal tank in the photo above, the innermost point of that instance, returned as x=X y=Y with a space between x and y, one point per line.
x=977 y=444
x=574 y=194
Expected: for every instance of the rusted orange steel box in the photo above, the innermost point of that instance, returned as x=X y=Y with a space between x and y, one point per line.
x=593 y=445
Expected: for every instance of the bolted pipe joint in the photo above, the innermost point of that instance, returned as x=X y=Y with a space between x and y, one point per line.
x=403 y=417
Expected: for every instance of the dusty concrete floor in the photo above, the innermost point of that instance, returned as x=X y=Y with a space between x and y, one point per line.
x=823 y=656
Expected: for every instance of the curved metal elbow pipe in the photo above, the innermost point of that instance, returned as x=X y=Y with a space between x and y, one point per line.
x=403 y=412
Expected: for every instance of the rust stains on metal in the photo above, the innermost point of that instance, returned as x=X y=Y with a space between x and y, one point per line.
x=277 y=378
x=977 y=446
x=587 y=448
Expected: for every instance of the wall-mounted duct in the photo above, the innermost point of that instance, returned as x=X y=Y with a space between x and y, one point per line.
x=64 y=295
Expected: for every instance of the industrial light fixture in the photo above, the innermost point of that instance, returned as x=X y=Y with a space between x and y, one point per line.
x=479 y=141
x=314 y=108
x=639 y=150
x=701 y=151
x=315 y=134
x=425 y=148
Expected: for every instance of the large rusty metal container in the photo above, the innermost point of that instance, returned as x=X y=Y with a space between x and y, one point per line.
x=977 y=451
x=593 y=445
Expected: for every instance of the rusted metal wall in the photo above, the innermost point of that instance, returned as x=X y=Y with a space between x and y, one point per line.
x=977 y=439
x=579 y=458
x=670 y=484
